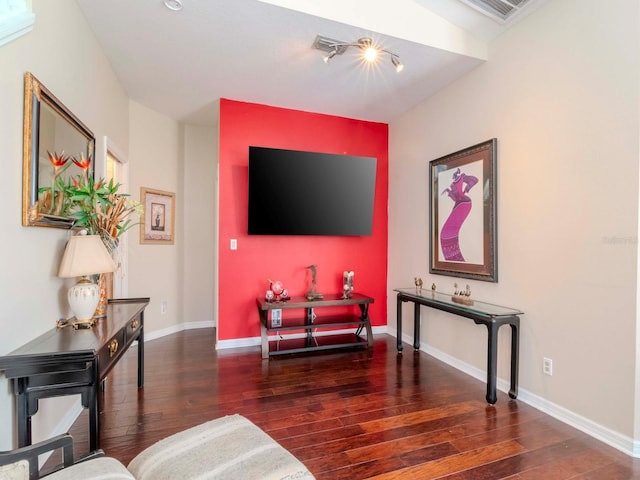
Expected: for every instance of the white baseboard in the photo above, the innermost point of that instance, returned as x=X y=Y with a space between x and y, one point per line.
x=63 y=426
x=65 y=423
x=177 y=328
x=238 y=343
x=615 y=439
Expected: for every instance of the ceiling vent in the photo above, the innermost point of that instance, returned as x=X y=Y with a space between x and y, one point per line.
x=501 y=10
x=326 y=44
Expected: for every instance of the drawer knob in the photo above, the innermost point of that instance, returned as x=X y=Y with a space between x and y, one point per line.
x=134 y=323
x=113 y=347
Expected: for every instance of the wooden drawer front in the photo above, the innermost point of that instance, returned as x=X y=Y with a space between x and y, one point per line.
x=132 y=330
x=111 y=352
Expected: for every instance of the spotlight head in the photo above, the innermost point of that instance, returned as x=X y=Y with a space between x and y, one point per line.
x=396 y=63
x=330 y=55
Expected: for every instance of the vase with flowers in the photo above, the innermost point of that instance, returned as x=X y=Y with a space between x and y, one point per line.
x=98 y=207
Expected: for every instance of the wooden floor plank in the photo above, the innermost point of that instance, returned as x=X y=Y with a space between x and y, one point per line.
x=359 y=414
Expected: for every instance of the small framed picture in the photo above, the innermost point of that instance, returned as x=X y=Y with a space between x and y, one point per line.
x=158 y=219
x=463 y=213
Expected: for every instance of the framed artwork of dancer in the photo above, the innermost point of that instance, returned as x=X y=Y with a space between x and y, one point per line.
x=463 y=213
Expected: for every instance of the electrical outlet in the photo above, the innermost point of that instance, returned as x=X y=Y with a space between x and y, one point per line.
x=547 y=366
x=233 y=244
x=276 y=318
x=163 y=308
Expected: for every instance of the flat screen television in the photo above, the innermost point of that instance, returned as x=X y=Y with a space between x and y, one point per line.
x=294 y=192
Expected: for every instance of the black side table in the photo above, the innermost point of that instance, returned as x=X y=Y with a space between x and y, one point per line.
x=482 y=313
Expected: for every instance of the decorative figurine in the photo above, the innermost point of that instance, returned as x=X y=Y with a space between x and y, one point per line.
x=312 y=294
x=433 y=287
x=418 y=282
x=278 y=291
x=347 y=284
x=462 y=296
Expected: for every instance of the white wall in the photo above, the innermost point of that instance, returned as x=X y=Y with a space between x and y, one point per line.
x=63 y=54
x=154 y=269
x=200 y=218
x=560 y=93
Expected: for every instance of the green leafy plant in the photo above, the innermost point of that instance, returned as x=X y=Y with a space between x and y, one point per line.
x=98 y=207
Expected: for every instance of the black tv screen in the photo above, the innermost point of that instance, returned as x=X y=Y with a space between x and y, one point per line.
x=294 y=192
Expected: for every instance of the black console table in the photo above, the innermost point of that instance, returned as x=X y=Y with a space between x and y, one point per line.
x=67 y=362
x=310 y=322
x=492 y=316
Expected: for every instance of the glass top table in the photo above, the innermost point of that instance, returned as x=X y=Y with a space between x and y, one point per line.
x=478 y=307
x=482 y=313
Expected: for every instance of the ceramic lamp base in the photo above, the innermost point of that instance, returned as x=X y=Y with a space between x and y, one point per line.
x=83 y=299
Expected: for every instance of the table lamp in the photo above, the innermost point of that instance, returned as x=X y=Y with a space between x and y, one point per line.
x=84 y=255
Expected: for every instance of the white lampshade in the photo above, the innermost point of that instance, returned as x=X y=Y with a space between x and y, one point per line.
x=85 y=255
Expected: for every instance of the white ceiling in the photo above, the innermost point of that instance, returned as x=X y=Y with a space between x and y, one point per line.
x=181 y=63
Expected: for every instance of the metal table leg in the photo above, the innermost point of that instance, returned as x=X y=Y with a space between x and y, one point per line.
x=416 y=326
x=515 y=355
x=399 y=325
x=492 y=362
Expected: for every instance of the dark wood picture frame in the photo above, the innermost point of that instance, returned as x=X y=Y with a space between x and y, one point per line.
x=463 y=213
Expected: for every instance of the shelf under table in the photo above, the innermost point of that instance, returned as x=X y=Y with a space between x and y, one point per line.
x=314 y=326
x=287 y=346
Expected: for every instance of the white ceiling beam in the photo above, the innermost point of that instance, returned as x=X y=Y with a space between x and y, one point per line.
x=403 y=19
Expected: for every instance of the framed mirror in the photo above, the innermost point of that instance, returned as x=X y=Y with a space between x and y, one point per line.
x=53 y=136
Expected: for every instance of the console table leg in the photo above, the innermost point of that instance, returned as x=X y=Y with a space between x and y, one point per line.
x=416 y=326
x=89 y=398
x=24 y=420
x=141 y=358
x=515 y=355
x=399 y=325
x=94 y=428
x=492 y=363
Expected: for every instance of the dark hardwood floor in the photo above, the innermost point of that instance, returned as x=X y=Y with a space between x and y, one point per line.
x=347 y=415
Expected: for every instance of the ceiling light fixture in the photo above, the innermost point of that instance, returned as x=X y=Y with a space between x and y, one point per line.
x=175 y=5
x=370 y=52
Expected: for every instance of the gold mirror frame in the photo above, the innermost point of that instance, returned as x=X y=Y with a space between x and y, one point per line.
x=48 y=127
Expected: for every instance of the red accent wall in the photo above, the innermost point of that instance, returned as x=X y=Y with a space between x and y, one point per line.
x=244 y=273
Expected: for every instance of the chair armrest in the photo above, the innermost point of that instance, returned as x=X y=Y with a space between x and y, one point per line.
x=95 y=454
x=31 y=453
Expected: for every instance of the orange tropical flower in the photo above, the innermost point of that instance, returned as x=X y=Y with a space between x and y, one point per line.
x=57 y=160
x=82 y=162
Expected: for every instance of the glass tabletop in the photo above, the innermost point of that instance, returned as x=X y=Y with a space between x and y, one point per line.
x=479 y=307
